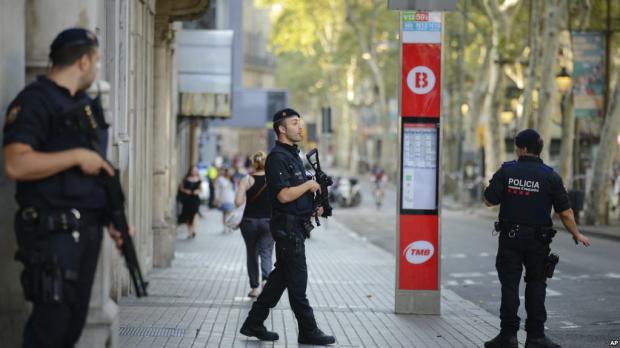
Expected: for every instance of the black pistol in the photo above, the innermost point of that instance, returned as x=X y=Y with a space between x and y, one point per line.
x=116 y=206
x=324 y=180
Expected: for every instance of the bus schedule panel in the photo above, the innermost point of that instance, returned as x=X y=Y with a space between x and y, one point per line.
x=419 y=170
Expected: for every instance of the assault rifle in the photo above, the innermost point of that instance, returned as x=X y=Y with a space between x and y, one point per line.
x=85 y=116
x=322 y=198
x=116 y=207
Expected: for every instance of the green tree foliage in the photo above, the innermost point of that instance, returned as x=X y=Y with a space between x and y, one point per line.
x=315 y=44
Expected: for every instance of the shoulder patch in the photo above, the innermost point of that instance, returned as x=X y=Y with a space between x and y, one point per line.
x=11 y=116
x=509 y=163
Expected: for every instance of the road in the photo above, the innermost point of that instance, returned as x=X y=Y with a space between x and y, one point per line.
x=583 y=298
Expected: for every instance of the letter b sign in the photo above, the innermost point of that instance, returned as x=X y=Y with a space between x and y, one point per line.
x=421 y=80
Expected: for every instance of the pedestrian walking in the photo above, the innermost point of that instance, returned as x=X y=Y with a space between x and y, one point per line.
x=255 y=223
x=211 y=177
x=55 y=161
x=379 y=180
x=225 y=195
x=291 y=194
x=189 y=192
x=526 y=190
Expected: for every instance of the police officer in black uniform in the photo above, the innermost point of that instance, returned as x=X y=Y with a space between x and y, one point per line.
x=61 y=202
x=526 y=190
x=291 y=194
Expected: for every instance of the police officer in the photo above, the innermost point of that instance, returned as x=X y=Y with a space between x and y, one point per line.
x=291 y=195
x=526 y=190
x=61 y=202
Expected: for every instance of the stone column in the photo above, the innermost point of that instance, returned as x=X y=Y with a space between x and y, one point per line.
x=164 y=232
x=102 y=323
x=13 y=308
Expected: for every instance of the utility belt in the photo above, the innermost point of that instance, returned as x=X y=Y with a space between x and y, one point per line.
x=44 y=278
x=285 y=225
x=544 y=234
x=58 y=220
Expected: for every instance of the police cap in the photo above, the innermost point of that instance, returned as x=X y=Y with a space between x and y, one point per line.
x=73 y=37
x=529 y=139
x=284 y=113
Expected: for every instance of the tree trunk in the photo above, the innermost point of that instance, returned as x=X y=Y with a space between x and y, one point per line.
x=365 y=40
x=597 y=211
x=476 y=101
x=527 y=120
x=388 y=149
x=451 y=136
x=498 y=145
x=494 y=144
x=568 y=137
x=457 y=177
x=554 y=13
x=501 y=17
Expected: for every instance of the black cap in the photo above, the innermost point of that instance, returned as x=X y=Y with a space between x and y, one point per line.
x=529 y=139
x=73 y=37
x=284 y=113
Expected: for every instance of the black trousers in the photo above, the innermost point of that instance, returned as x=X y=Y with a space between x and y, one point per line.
x=515 y=251
x=258 y=242
x=60 y=325
x=290 y=273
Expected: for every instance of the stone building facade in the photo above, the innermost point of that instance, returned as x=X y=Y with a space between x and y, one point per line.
x=137 y=80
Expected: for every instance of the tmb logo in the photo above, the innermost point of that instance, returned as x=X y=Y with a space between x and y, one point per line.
x=421 y=80
x=419 y=252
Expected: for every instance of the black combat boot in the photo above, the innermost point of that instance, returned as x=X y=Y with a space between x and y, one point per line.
x=259 y=332
x=503 y=341
x=316 y=337
x=540 y=342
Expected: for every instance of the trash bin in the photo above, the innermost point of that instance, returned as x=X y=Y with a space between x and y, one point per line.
x=576 y=198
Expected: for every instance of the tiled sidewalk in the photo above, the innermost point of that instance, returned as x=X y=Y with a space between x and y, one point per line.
x=200 y=301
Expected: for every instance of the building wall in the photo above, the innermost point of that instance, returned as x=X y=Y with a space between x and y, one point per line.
x=129 y=69
x=13 y=307
x=244 y=141
x=259 y=63
x=126 y=29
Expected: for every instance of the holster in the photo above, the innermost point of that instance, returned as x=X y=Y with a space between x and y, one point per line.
x=546 y=234
x=550 y=262
x=43 y=277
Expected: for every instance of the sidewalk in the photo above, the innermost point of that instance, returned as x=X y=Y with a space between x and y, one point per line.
x=200 y=301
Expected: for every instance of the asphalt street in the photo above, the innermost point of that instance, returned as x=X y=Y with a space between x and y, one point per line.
x=583 y=298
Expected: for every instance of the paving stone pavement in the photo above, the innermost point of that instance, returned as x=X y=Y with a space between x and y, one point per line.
x=201 y=300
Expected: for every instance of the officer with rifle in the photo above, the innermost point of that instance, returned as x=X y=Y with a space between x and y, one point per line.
x=293 y=203
x=55 y=140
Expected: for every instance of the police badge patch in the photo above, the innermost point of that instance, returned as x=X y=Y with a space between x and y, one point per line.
x=11 y=116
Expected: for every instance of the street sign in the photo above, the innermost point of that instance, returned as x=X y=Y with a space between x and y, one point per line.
x=588 y=73
x=419 y=252
x=421 y=80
